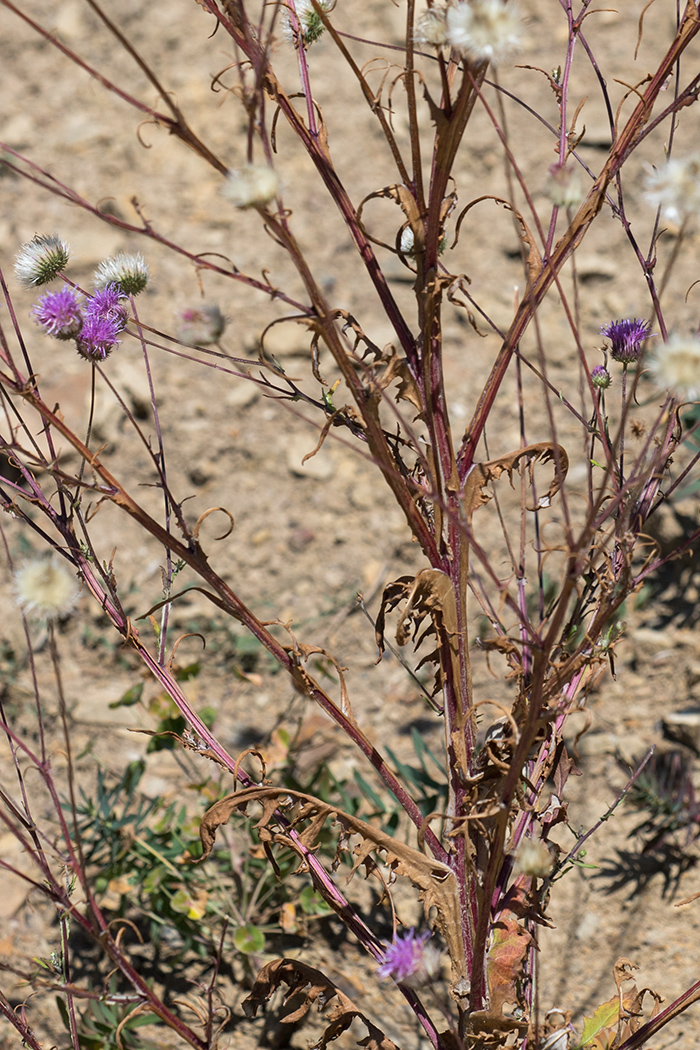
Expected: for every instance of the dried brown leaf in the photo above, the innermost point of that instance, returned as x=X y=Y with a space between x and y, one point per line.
x=431 y=595
x=317 y=989
x=475 y=494
x=436 y=882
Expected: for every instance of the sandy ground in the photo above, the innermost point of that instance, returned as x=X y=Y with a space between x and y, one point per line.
x=307 y=539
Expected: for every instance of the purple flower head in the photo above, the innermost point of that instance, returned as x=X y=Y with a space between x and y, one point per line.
x=600 y=377
x=98 y=336
x=626 y=338
x=59 y=313
x=104 y=319
x=106 y=302
x=410 y=959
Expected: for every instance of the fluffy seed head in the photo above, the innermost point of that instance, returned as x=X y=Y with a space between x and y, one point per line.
x=129 y=272
x=309 y=21
x=533 y=857
x=675 y=366
x=627 y=338
x=41 y=259
x=59 y=313
x=200 y=325
x=675 y=188
x=410 y=959
x=600 y=377
x=253 y=186
x=45 y=589
x=431 y=27
x=485 y=30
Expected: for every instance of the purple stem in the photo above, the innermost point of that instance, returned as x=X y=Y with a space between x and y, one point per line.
x=162 y=639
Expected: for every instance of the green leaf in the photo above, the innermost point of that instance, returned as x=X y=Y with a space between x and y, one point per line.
x=208 y=716
x=604 y=1017
x=312 y=903
x=184 y=674
x=249 y=939
x=130 y=697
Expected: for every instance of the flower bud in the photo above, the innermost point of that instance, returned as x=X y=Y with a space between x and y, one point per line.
x=310 y=22
x=600 y=377
x=201 y=325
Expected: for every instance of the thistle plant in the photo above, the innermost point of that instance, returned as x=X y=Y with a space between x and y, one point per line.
x=521 y=479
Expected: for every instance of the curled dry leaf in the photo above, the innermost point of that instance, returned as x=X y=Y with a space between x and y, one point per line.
x=307 y=815
x=301 y=654
x=475 y=494
x=202 y=518
x=317 y=989
x=402 y=196
x=533 y=259
x=428 y=593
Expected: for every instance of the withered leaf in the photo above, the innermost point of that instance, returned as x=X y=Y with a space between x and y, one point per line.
x=436 y=882
x=506 y=959
x=431 y=594
x=316 y=989
x=475 y=494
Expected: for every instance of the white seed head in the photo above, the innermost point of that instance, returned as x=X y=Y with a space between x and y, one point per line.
x=431 y=27
x=130 y=272
x=675 y=188
x=308 y=18
x=485 y=30
x=41 y=259
x=675 y=366
x=45 y=589
x=534 y=857
x=252 y=186
x=565 y=186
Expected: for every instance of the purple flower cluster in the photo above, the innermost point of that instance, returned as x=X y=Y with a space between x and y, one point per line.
x=95 y=324
x=626 y=338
